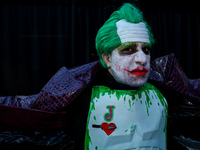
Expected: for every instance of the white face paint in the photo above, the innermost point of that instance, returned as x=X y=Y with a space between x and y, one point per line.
x=130 y=63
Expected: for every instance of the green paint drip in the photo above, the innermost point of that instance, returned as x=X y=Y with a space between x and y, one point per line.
x=132 y=128
x=147 y=108
x=98 y=91
x=94 y=93
x=147 y=102
x=124 y=98
x=133 y=97
x=87 y=140
x=164 y=104
x=118 y=95
x=122 y=93
x=129 y=103
x=140 y=95
x=158 y=95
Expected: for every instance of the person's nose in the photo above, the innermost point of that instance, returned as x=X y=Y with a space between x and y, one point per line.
x=140 y=58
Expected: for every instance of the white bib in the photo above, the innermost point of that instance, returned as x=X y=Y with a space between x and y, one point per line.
x=126 y=120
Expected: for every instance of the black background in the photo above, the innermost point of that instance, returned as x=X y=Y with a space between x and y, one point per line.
x=38 y=37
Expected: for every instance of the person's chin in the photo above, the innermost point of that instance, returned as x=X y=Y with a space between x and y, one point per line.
x=131 y=80
x=138 y=82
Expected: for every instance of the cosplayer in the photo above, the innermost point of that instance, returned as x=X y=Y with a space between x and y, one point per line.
x=133 y=117
x=119 y=109
x=108 y=104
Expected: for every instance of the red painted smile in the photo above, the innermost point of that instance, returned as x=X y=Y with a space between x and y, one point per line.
x=137 y=71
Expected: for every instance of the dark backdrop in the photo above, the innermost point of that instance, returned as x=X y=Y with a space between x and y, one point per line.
x=38 y=37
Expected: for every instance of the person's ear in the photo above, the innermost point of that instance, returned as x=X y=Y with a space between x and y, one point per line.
x=107 y=59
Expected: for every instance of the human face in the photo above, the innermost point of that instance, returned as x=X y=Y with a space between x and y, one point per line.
x=130 y=63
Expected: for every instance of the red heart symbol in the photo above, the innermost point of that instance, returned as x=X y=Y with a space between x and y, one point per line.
x=108 y=128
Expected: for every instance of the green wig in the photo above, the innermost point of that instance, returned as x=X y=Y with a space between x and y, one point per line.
x=107 y=38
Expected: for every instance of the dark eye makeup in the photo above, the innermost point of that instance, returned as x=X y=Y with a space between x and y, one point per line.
x=146 y=50
x=129 y=48
x=128 y=51
x=132 y=50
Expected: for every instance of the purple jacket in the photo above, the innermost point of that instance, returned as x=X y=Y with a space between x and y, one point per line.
x=43 y=110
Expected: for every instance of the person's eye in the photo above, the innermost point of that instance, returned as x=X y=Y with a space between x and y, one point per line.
x=146 y=50
x=127 y=51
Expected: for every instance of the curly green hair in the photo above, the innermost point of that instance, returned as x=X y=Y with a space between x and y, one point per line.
x=107 y=38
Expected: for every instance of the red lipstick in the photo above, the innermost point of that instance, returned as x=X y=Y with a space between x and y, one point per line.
x=137 y=71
